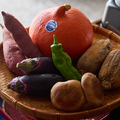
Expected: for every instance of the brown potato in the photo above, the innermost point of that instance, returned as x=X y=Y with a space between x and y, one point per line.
x=109 y=74
x=92 y=59
x=93 y=91
x=68 y=95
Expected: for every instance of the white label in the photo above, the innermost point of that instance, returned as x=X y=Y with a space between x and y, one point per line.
x=51 y=26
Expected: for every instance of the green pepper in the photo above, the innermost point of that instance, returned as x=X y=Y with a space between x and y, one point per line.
x=63 y=62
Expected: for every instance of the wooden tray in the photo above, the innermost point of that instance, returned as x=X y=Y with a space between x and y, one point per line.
x=43 y=108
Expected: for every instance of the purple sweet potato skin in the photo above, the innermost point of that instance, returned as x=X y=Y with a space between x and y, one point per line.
x=11 y=51
x=21 y=36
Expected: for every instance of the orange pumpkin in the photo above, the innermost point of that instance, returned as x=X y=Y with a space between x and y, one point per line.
x=71 y=27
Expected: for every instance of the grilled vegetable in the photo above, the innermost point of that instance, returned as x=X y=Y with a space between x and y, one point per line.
x=38 y=65
x=35 y=84
x=11 y=51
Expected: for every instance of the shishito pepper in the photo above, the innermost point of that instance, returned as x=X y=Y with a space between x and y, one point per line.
x=63 y=62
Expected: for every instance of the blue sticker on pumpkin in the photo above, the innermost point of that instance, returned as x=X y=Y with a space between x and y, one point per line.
x=51 y=26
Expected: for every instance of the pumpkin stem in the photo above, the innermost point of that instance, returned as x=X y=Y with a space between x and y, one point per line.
x=67 y=6
x=60 y=11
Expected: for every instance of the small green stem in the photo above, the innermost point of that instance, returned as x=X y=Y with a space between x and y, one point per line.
x=55 y=39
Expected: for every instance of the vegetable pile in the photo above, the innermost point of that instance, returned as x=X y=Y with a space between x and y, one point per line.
x=69 y=87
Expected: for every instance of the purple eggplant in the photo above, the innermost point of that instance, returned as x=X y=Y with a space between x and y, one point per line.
x=35 y=84
x=38 y=65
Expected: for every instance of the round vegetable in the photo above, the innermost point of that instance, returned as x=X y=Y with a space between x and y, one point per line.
x=93 y=91
x=71 y=27
x=68 y=95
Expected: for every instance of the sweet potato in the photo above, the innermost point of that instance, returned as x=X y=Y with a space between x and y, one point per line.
x=11 y=51
x=92 y=59
x=109 y=74
x=21 y=36
x=93 y=91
